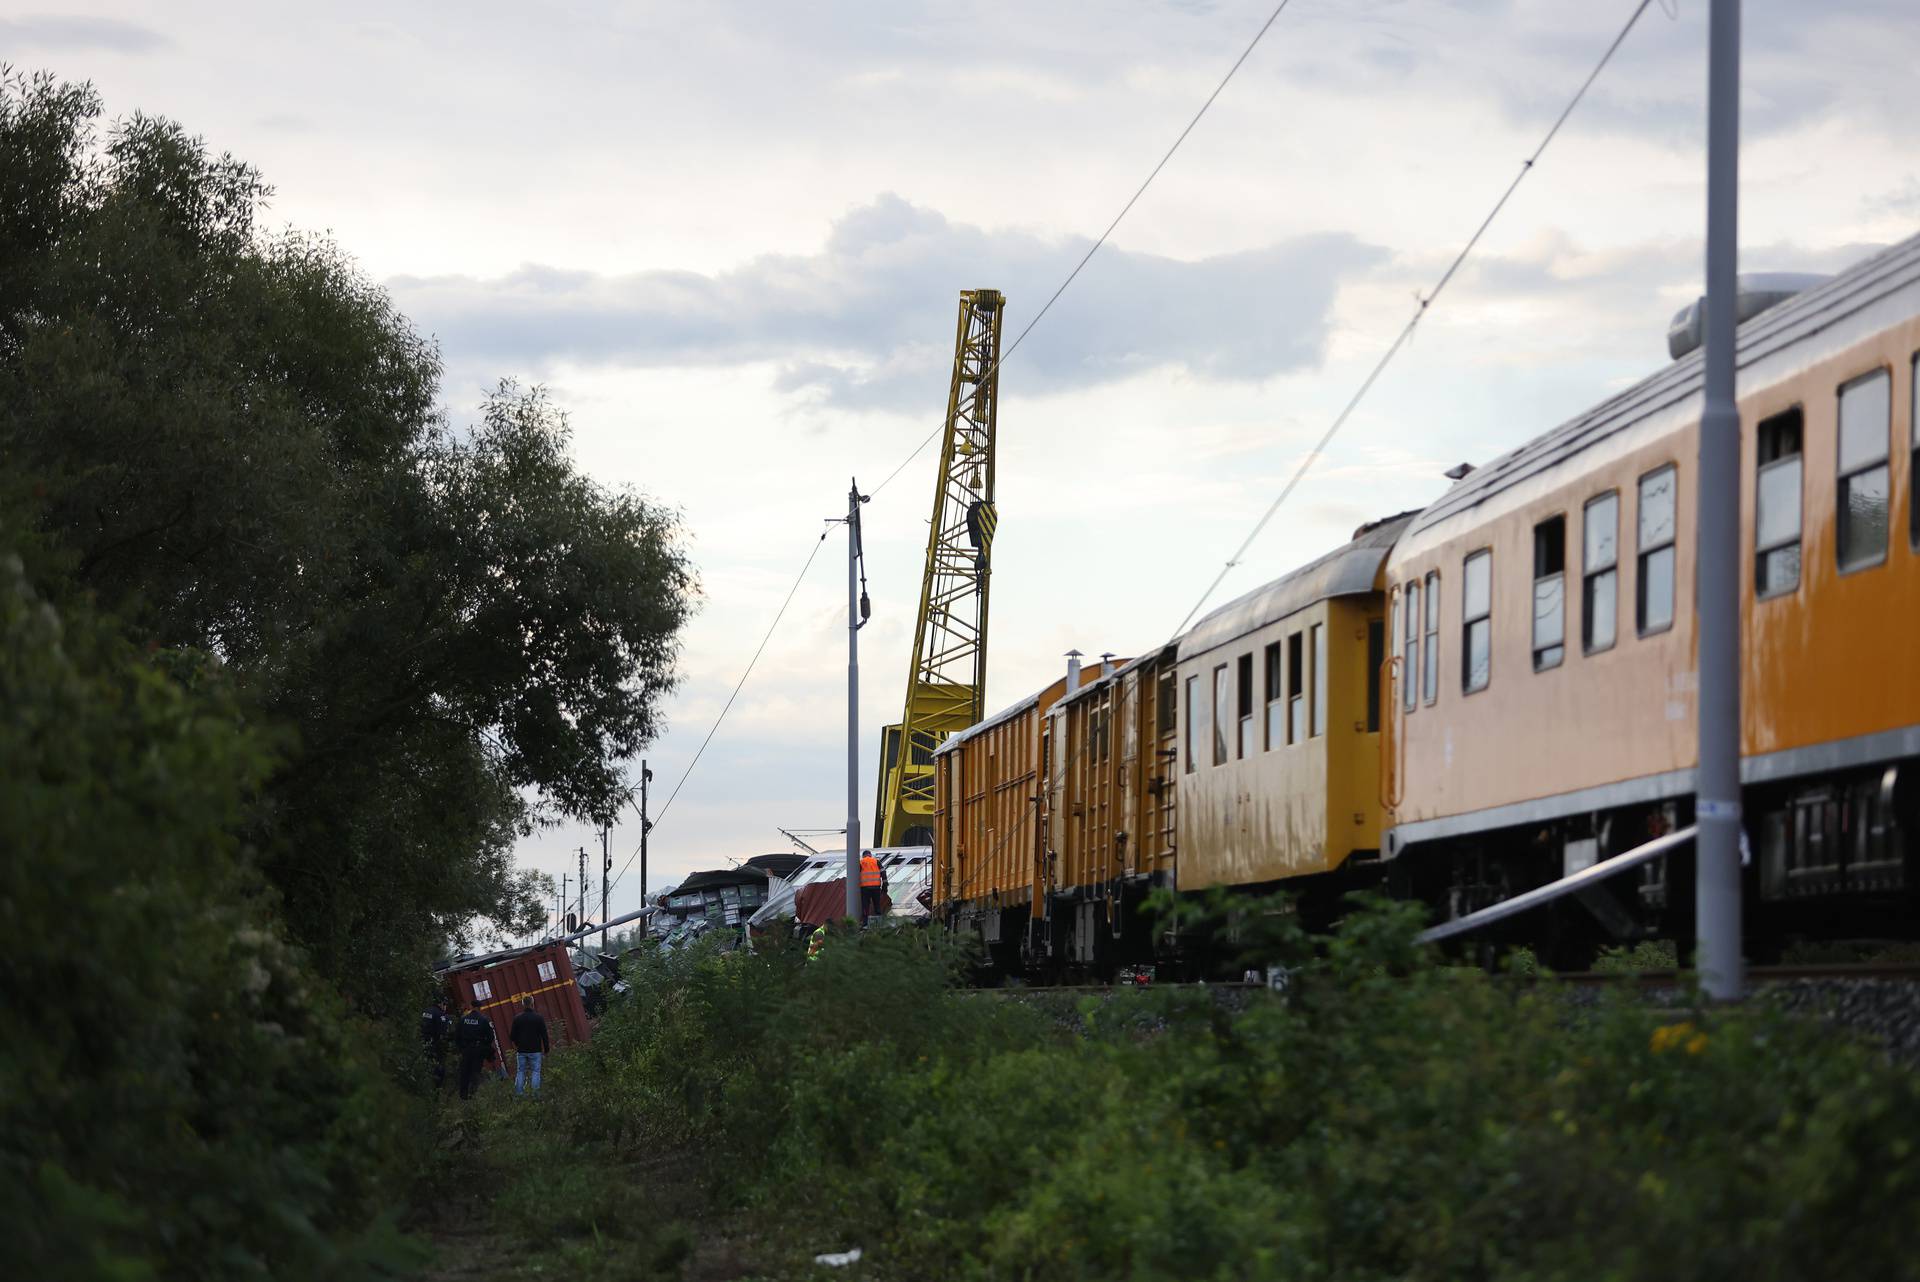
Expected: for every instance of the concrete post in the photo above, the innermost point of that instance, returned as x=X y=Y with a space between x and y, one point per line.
x=1718 y=562
x=853 y=701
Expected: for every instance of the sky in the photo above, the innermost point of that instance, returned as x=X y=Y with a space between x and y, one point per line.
x=729 y=238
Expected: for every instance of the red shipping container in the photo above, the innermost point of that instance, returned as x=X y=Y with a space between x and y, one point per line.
x=496 y=985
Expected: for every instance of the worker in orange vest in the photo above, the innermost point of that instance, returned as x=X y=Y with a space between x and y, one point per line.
x=873 y=885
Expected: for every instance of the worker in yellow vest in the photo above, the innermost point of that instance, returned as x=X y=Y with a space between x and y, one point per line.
x=873 y=886
x=817 y=941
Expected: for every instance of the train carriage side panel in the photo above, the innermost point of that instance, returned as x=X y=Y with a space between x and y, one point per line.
x=1592 y=714
x=1826 y=661
x=987 y=834
x=1275 y=755
x=1086 y=823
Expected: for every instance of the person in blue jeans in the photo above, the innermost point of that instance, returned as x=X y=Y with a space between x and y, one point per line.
x=529 y=1038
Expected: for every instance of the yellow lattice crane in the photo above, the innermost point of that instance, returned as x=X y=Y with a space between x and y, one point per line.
x=947 y=684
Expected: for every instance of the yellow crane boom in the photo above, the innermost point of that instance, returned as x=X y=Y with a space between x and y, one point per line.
x=947 y=684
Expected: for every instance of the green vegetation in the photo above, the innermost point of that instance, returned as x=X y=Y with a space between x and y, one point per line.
x=1648 y=954
x=287 y=662
x=1390 y=1119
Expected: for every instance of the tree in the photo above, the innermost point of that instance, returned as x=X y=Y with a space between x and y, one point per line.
x=185 y=1100
x=232 y=442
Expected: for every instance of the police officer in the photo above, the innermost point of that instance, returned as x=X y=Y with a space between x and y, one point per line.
x=473 y=1038
x=435 y=1024
x=873 y=884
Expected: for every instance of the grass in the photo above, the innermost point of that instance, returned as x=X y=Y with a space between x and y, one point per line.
x=1387 y=1119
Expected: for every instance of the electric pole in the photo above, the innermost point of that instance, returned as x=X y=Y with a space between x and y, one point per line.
x=1716 y=804
x=646 y=825
x=606 y=867
x=560 y=909
x=582 y=918
x=856 y=611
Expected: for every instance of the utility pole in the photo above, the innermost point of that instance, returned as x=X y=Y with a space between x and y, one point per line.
x=1718 y=563
x=582 y=918
x=646 y=826
x=606 y=867
x=560 y=909
x=856 y=615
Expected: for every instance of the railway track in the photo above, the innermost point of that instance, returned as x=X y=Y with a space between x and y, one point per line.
x=1880 y=1000
x=1902 y=972
x=1898 y=972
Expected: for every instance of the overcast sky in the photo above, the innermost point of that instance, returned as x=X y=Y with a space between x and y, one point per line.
x=730 y=237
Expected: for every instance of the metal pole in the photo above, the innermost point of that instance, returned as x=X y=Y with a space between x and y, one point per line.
x=606 y=867
x=582 y=918
x=853 y=701
x=1717 y=585
x=645 y=826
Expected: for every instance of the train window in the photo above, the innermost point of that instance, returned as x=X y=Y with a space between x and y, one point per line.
x=1276 y=702
x=1220 y=715
x=1476 y=629
x=1776 y=491
x=1653 y=594
x=1318 y=715
x=1244 y=706
x=1296 y=690
x=1376 y=655
x=1430 y=656
x=1549 y=593
x=1410 y=653
x=1165 y=713
x=1865 y=407
x=1600 y=575
x=1193 y=720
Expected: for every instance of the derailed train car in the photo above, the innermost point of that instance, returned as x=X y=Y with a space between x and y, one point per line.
x=1472 y=700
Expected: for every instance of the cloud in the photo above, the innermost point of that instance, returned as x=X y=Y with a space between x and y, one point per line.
x=1904 y=202
x=52 y=31
x=865 y=321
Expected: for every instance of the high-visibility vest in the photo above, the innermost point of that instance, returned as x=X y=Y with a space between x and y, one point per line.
x=870 y=873
x=816 y=942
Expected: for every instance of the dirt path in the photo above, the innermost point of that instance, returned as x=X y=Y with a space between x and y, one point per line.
x=513 y=1200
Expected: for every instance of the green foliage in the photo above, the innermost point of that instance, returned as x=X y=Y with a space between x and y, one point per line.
x=1389 y=1119
x=231 y=440
x=1648 y=954
x=183 y=1098
x=287 y=664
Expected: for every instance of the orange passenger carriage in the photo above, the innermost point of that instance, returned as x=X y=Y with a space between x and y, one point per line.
x=1466 y=703
x=1545 y=679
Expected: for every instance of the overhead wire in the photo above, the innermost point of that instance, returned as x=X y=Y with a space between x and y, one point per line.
x=650 y=823
x=1102 y=239
x=1421 y=309
x=1000 y=360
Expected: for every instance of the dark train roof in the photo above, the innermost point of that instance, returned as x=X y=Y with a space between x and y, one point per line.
x=1348 y=570
x=718 y=878
x=1771 y=333
x=779 y=865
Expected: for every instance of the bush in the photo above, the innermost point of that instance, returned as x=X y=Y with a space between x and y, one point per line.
x=1391 y=1119
x=182 y=1098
